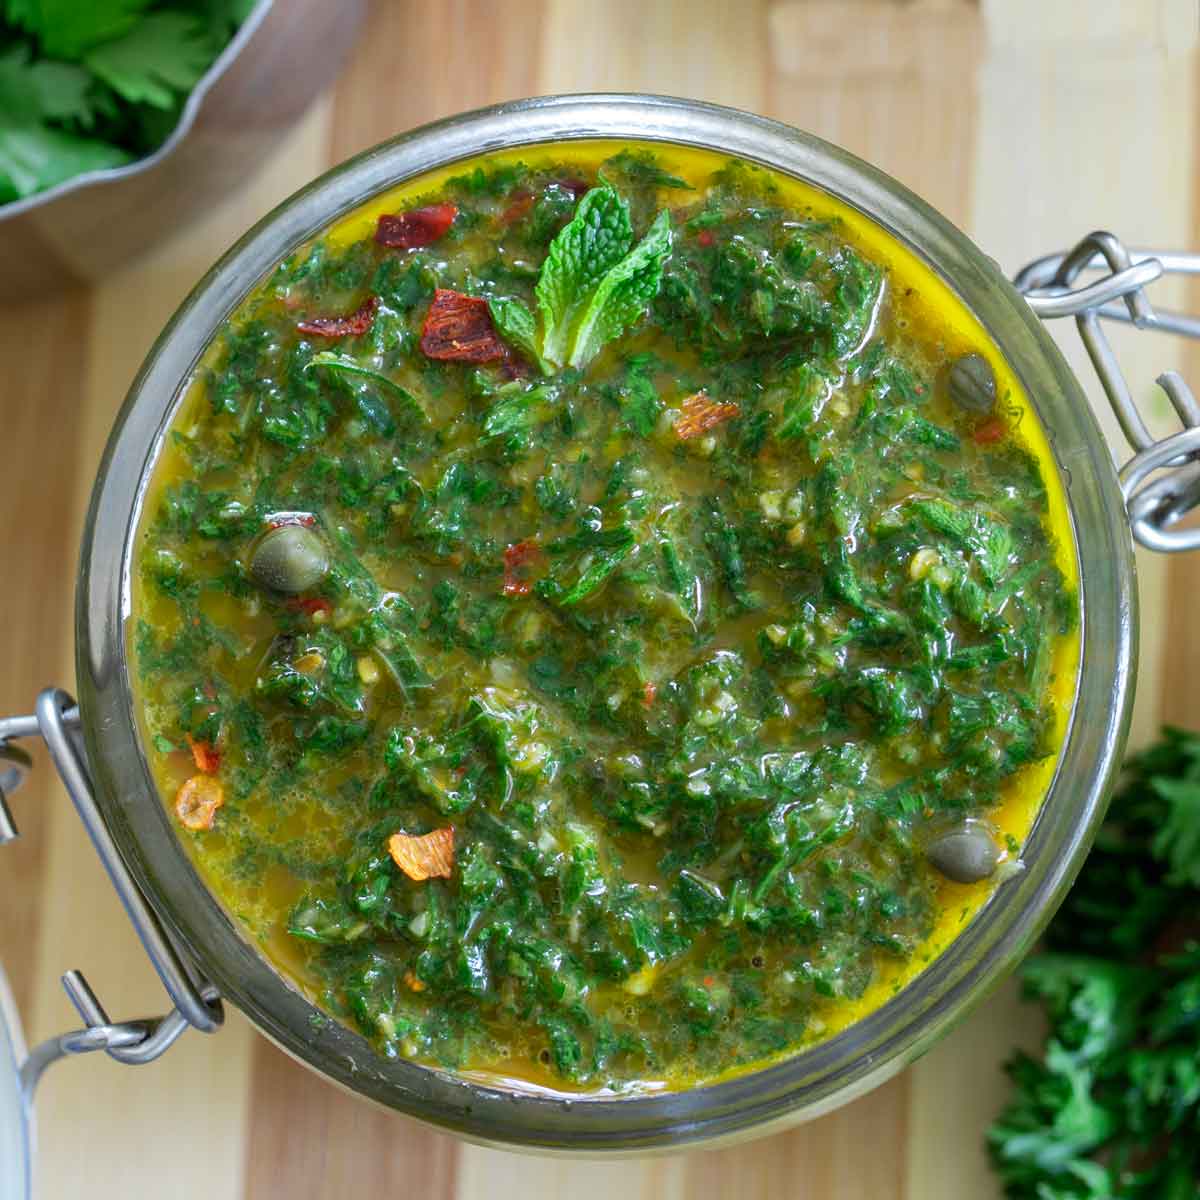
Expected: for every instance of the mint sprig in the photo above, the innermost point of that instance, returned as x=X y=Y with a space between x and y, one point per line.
x=592 y=285
x=593 y=241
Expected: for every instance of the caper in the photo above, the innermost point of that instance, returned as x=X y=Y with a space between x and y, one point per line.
x=973 y=383
x=289 y=558
x=966 y=855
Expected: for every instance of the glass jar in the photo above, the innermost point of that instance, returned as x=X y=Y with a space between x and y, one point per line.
x=202 y=954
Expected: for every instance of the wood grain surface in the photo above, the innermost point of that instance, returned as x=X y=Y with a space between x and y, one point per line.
x=1028 y=123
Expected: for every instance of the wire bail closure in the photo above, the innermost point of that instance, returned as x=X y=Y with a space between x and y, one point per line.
x=195 y=1001
x=1049 y=285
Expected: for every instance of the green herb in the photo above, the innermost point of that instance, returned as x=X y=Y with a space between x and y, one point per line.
x=516 y=324
x=88 y=86
x=1112 y=1107
x=585 y=249
x=592 y=287
x=638 y=399
x=161 y=56
x=623 y=293
x=343 y=364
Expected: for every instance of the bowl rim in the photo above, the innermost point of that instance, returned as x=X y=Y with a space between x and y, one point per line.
x=187 y=118
x=815 y=1079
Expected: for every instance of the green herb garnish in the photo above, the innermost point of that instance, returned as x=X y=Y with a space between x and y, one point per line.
x=91 y=84
x=1112 y=1106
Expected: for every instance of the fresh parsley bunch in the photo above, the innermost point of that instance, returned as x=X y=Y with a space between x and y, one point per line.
x=90 y=84
x=1112 y=1109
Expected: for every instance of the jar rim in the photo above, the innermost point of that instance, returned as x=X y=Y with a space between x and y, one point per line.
x=814 y=1079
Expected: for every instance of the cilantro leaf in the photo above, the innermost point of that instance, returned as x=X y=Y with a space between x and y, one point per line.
x=623 y=293
x=68 y=28
x=592 y=242
x=62 y=91
x=35 y=157
x=516 y=324
x=225 y=16
x=165 y=53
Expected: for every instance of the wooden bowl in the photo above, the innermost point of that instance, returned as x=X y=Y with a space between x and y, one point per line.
x=281 y=58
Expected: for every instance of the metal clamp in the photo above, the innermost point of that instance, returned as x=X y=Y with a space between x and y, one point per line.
x=1049 y=285
x=195 y=1000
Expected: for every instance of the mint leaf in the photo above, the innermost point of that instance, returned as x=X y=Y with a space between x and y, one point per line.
x=623 y=293
x=583 y=251
x=165 y=53
x=516 y=324
x=68 y=28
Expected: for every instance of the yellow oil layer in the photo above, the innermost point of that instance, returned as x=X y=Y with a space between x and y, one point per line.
x=928 y=301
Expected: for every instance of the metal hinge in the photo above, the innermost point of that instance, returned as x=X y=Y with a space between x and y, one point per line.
x=1049 y=284
x=195 y=1001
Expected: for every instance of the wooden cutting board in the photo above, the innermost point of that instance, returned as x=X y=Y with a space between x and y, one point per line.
x=1027 y=122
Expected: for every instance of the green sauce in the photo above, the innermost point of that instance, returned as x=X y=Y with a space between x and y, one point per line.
x=697 y=615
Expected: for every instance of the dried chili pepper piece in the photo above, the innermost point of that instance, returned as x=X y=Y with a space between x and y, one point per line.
x=516 y=557
x=458 y=328
x=415 y=228
x=988 y=432
x=518 y=207
x=205 y=755
x=424 y=856
x=354 y=325
x=577 y=187
x=310 y=605
x=197 y=801
x=699 y=414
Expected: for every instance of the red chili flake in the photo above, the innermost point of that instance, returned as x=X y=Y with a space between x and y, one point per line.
x=356 y=324
x=706 y=237
x=513 y=366
x=516 y=557
x=649 y=693
x=458 y=328
x=197 y=801
x=309 y=604
x=205 y=755
x=577 y=187
x=429 y=856
x=518 y=207
x=709 y=981
x=417 y=227
x=990 y=431
x=700 y=414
